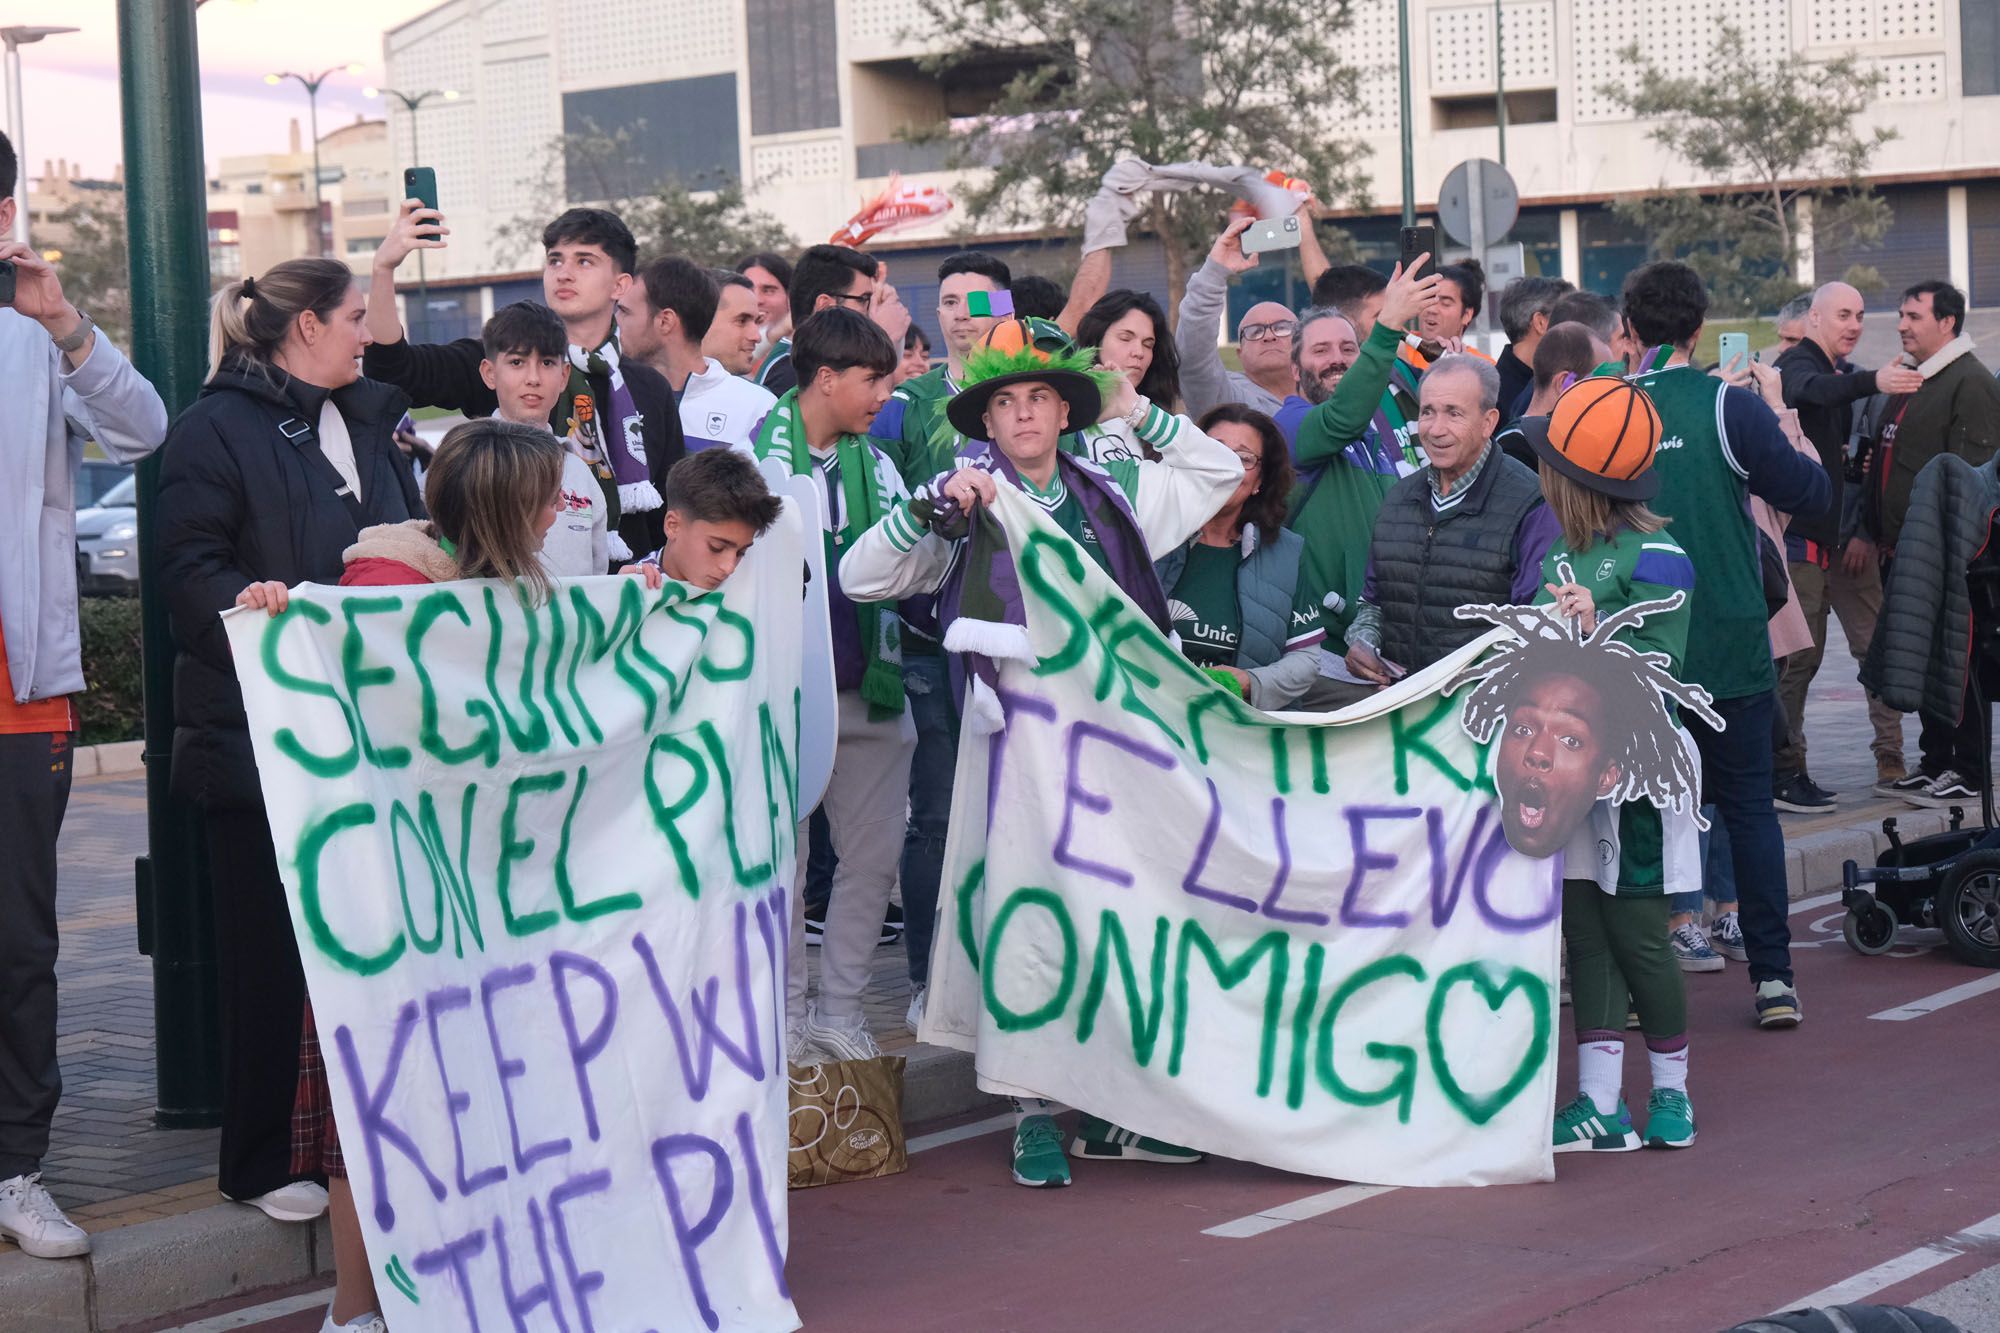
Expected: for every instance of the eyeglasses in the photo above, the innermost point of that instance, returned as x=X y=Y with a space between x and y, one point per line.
x=865 y=298
x=1283 y=328
x=1249 y=461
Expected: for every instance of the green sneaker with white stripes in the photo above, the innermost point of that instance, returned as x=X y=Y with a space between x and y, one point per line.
x=1101 y=1141
x=1669 y=1119
x=1581 y=1127
x=1038 y=1154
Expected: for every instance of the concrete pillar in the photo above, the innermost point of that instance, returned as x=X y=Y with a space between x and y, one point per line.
x=1957 y=237
x=1568 y=237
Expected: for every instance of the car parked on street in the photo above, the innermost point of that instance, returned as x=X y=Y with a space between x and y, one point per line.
x=107 y=541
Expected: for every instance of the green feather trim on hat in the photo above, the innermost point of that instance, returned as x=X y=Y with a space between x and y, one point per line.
x=987 y=363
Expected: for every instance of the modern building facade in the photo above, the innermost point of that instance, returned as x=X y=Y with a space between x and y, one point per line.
x=802 y=100
x=260 y=206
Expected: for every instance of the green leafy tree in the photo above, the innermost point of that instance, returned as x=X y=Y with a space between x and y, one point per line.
x=94 y=267
x=707 y=221
x=1781 y=138
x=1068 y=89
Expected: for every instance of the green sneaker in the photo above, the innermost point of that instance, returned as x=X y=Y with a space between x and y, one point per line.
x=1101 y=1141
x=1581 y=1128
x=1038 y=1155
x=1669 y=1120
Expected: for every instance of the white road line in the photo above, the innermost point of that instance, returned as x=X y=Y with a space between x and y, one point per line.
x=1978 y=1236
x=256 y=1314
x=960 y=1133
x=1815 y=902
x=1298 y=1210
x=1930 y=1004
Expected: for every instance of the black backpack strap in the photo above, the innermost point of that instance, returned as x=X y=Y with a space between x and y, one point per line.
x=301 y=436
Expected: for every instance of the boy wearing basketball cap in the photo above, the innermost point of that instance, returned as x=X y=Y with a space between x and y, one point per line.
x=1023 y=398
x=1596 y=451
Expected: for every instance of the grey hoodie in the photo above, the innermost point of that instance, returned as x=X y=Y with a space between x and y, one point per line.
x=51 y=412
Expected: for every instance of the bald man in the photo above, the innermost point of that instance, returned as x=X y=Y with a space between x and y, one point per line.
x=1823 y=387
x=1264 y=336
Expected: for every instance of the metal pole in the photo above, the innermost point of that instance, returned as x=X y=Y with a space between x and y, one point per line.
x=17 y=122
x=319 y=228
x=1500 y=80
x=1409 y=148
x=167 y=222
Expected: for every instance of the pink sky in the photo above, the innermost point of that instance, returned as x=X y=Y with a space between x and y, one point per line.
x=71 y=82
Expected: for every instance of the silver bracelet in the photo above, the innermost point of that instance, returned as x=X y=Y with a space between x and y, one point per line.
x=1140 y=407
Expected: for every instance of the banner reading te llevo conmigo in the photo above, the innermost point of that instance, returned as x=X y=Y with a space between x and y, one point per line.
x=536 y=859
x=1299 y=943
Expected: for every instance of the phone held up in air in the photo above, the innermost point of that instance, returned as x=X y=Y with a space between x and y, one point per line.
x=1420 y=241
x=421 y=184
x=1268 y=234
x=7 y=283
x=1732 y=348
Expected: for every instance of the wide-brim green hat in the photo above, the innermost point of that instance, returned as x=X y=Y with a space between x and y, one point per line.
x=1023 y=351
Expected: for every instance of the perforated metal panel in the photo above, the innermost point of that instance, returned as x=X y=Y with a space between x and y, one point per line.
x=612 y=42
x=1676 y=35
x=448 y=141
x=1846 y=23
x=442 y=58
x=814 y=159
x=1911 y=78
x=1370 y=46
x=512 y=20
x=876 y=27
x=1461 y=47
x=522 y=118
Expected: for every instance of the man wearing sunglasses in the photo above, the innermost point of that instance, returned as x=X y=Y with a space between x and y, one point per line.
x=1264 y=337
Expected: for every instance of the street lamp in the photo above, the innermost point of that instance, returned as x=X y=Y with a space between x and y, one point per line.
x=311 y=85
x=1403 y=94
x=411 y=102
x=16 y=38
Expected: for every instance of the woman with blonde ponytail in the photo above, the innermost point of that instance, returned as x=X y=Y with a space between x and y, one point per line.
x=269 y=477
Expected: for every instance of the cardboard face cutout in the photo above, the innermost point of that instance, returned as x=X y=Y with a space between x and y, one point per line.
x=1580 y=718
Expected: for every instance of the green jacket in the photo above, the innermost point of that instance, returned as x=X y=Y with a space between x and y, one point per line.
x=1344 y=471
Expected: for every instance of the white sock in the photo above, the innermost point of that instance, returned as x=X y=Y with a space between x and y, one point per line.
x=1670 y=1070
x=1600 y=1071
x=1027 y=1106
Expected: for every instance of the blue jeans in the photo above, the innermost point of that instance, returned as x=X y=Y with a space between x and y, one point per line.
x=935 y=713
x=1736 y=780
x=1718 y=874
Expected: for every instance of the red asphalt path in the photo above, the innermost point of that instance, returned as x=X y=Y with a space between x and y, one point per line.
x=1823 y=1152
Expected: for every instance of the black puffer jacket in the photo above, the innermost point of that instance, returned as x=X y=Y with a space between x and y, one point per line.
x=238 y=504
x=1921 y=653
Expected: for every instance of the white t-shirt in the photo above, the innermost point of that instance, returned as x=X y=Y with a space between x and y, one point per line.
x=338 y=445
x=578 y=545
x=720 y=408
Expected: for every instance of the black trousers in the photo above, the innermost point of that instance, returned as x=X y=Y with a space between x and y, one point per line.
x=34 y=792
x=262 y=993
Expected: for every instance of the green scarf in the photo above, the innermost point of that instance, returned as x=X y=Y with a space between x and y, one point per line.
x=863 y=505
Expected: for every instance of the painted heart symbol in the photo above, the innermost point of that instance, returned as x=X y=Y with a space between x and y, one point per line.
x=1480 y=1108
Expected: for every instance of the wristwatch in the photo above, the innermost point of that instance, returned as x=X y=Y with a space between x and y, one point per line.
x=79 y=336
x=1136 y=417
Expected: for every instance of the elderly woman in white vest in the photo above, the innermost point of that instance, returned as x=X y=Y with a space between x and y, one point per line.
x=1242 y=607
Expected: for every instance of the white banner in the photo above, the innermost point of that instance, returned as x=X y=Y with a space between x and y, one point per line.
x=535 y=858
x=1287 y=940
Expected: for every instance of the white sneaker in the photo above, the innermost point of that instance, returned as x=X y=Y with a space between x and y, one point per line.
x=841 y=1039
x=915 y=1018
x=798 y=1049
x=368 y=1323
x=30 y=1218
x=300 y=1201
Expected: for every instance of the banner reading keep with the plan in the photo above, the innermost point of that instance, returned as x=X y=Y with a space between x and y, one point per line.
x=1297 y=943
x=535 y=858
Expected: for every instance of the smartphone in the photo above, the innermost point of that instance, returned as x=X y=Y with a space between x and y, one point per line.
x=1272 y=234
x=421 y=183
x=1733 y=347
x=7 y=282
x=1420 y=241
